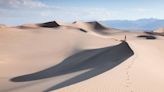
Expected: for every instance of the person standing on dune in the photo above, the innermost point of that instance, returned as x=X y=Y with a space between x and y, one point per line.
x=125 y=38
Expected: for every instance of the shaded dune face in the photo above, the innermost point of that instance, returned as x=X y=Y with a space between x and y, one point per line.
x=101 y=29
x=52 y=24
x=82 y=30
x=97 y=61
x=97 y=25
x=147 y=37
x=28 y=26
x=94 y=25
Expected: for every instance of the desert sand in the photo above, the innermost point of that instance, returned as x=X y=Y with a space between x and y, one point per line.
x=80 y=57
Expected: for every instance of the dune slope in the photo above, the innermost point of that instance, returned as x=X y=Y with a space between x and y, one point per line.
x=101 y=60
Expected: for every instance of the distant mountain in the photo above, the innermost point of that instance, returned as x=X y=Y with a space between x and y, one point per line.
x=140 y=25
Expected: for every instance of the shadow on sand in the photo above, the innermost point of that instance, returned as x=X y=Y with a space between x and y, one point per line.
x=155 y=33
x=147 y=37
x=97 y=60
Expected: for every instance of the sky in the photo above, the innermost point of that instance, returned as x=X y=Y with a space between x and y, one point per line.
x=15 y=12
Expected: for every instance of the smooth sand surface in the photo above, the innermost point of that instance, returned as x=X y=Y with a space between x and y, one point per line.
x=79 y=57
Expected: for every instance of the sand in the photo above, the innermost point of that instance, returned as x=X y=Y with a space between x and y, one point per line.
x=79 y=57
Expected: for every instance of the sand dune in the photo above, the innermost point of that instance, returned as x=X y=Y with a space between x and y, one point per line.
x=79 y=57
x=52 y=24
x=94 y=25
x=95 y=28
x=28 y=26
x=160 y=30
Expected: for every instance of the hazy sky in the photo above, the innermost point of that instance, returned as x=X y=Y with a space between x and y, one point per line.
x=31 y=11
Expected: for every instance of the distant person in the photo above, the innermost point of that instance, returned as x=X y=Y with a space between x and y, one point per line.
x=125 y=38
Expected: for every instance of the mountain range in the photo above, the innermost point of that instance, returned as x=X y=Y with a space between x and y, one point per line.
x=137 y=25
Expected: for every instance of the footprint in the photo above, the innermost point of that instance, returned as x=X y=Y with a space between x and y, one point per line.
x=128 y=77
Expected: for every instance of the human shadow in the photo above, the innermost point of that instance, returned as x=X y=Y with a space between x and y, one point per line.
x=97 y=61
